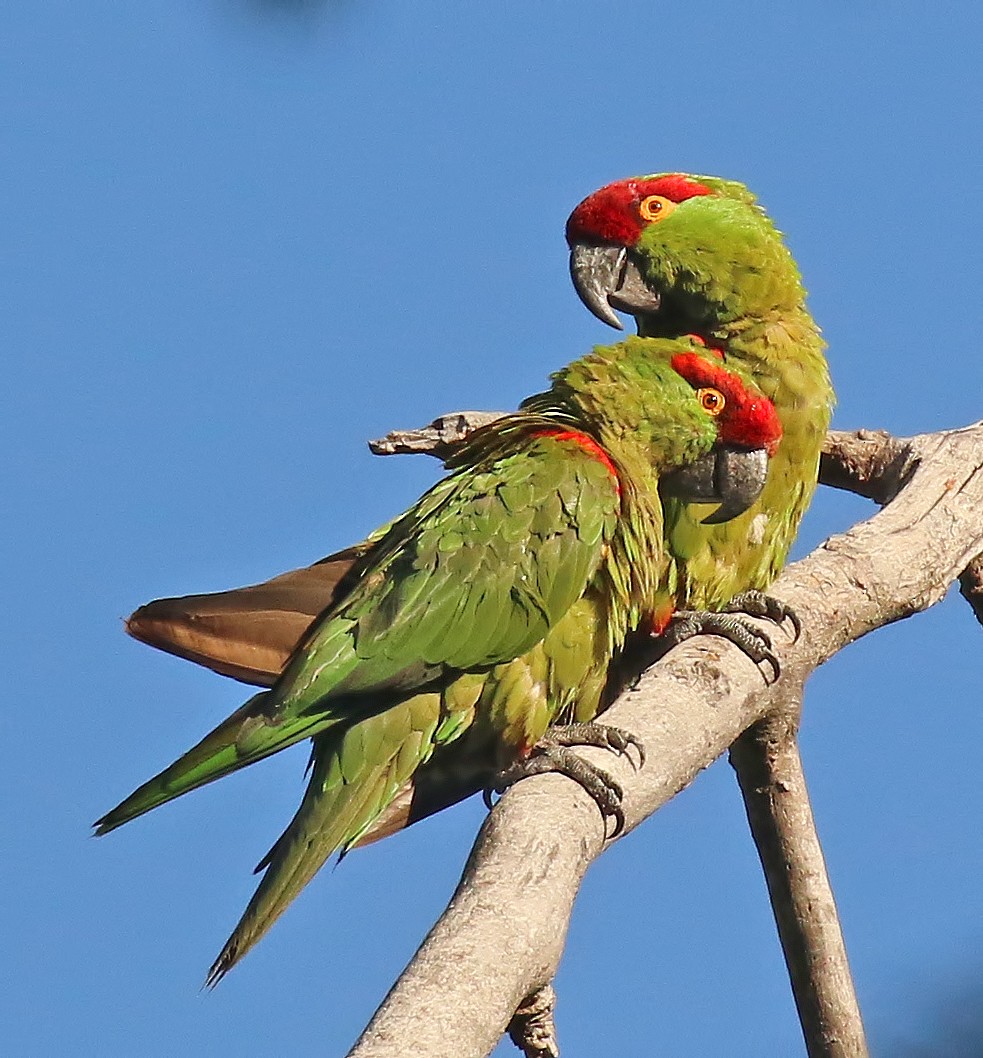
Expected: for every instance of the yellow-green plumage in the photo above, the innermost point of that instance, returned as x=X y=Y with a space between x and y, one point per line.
x=486 y=612
x=433 y=667
x=716 y=562
x=722 y=272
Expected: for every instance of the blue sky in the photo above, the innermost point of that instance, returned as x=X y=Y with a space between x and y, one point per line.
x=242 y=237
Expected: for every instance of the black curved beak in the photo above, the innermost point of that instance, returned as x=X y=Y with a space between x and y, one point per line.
x=732 y=477
x=606 y=278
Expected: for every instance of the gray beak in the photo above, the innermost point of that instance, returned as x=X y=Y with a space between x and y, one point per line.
x=732 y=477
x=606 y=276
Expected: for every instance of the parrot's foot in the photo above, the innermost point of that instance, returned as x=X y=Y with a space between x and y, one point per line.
x=757 y=604
x=604 y=736
x=730 y=626
x=552 y=753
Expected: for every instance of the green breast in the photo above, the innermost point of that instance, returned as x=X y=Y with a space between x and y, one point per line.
x=711 y=564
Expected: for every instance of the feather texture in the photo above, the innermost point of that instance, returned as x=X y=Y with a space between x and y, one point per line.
x=462 y=630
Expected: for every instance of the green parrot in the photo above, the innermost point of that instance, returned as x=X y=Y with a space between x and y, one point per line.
x=490 y=611
x=695 y=255
x=687 y=256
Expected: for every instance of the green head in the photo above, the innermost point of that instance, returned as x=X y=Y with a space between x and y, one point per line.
x=678 y=408
x=682 y=253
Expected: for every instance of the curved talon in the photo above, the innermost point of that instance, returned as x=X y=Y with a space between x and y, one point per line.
x=604 y=736
x=759 y=604
x=553 y=754
x=753 y=642
x=619 y=823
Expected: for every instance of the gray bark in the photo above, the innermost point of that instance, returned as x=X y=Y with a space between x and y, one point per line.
x=502 y=935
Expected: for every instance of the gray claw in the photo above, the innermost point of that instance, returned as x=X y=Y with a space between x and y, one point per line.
x=553 y=754
x=604 y=736
x=753 y=642
x=758 y=604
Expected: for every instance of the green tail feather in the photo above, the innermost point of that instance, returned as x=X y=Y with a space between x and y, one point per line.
x=268 y=722
x=347 y=792
x=215 y=755
x=219 y=753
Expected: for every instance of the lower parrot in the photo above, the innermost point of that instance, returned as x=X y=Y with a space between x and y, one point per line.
x=490 y=611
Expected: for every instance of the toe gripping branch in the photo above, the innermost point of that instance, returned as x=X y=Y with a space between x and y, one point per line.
x=554 y=753
x=731 y=624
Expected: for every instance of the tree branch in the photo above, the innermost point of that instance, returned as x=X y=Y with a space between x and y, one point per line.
x=769 y=770
x=502 y=935
x=870 y=463
x=439 y=438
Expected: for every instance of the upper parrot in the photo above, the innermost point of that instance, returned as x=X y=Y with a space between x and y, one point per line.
x=686 y=255
x=695 y=255
x=492 y=608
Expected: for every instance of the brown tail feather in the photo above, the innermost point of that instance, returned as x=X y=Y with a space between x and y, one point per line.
x=247 y=633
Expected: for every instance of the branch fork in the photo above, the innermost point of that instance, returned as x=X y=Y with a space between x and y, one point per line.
x=500 y=940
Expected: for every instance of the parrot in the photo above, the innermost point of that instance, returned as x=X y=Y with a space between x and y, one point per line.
x=691 y=257
x=697 y=255
x=471 y=637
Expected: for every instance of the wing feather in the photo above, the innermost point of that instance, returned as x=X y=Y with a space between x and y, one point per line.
x=414 y=617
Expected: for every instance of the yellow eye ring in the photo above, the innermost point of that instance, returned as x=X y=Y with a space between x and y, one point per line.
x=712 y=401
x=655 y=207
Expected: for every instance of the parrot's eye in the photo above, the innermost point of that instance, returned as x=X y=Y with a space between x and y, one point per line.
x=655 y=207
x=711 y=400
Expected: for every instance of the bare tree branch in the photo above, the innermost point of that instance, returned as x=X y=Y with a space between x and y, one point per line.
x=439 y=438
x=870 y=463
x=502 y=935
x=769 y=770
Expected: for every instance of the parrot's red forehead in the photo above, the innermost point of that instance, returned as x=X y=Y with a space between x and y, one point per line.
x=748 y=417
x=612 y=215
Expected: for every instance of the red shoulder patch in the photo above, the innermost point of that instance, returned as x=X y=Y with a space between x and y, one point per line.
x=656 y=621
x=587 y=444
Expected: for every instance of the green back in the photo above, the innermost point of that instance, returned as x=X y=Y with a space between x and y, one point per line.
x=489 y=610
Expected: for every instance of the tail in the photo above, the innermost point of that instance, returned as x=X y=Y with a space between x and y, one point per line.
x=297 y=707
x=355 y=775
x=248 y=633
x=246 y=736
